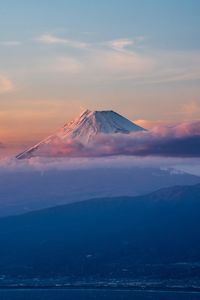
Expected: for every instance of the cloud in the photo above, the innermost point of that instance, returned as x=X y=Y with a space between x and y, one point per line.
x=108 y=60
x=54 y=40
x=6 y=85
x=10 y=43
x=181 y=141
x=149 y=124
x=122 y=64
x=121 y=59
x=178 y=141
x=68 y=65
x=119 y=161
x=175 y=66
x=123 y=43
x=190 y=110
x=117 y=63
x=105 y=64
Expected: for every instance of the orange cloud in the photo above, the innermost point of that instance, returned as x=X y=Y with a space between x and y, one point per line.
x=190 y=110
x=6 y=85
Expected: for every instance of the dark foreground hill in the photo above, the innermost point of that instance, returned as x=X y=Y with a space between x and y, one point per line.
x=157 y=235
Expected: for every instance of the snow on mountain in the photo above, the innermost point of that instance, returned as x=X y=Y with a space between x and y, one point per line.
x=85 y=128
x=90 y=123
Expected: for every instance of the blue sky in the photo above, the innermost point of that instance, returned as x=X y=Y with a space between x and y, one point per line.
x=170 y=24
x=140 y=58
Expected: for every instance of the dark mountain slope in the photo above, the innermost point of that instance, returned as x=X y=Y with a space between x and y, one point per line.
x=22 y=192
x=151 y=235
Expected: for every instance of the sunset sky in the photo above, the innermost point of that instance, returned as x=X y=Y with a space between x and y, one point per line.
x=140 y=58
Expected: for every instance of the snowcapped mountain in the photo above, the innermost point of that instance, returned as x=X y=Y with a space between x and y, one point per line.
x=85 y=128
x=91 y=123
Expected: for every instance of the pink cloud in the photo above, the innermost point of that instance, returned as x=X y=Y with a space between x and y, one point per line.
x=182 y=140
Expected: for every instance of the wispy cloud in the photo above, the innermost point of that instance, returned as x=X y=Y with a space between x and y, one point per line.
x=10 y=43
x=68 y=65
x=105 y=64
x=6 y=84
x=149 y=124
x=190 y=110
x=123 y=43
x=55 y=40
x=122 y=64
x=119 y=59
x=120 y=44
x=8 y=164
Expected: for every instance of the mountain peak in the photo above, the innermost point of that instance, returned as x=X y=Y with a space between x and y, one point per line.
x=90 y=123
x=85 y=128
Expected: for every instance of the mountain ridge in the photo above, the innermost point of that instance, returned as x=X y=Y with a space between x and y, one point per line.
x=120 y=237
x=85 y=128
x=173 y=193
x=64 y=186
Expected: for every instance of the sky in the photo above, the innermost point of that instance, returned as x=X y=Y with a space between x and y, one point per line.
x=140 y=58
